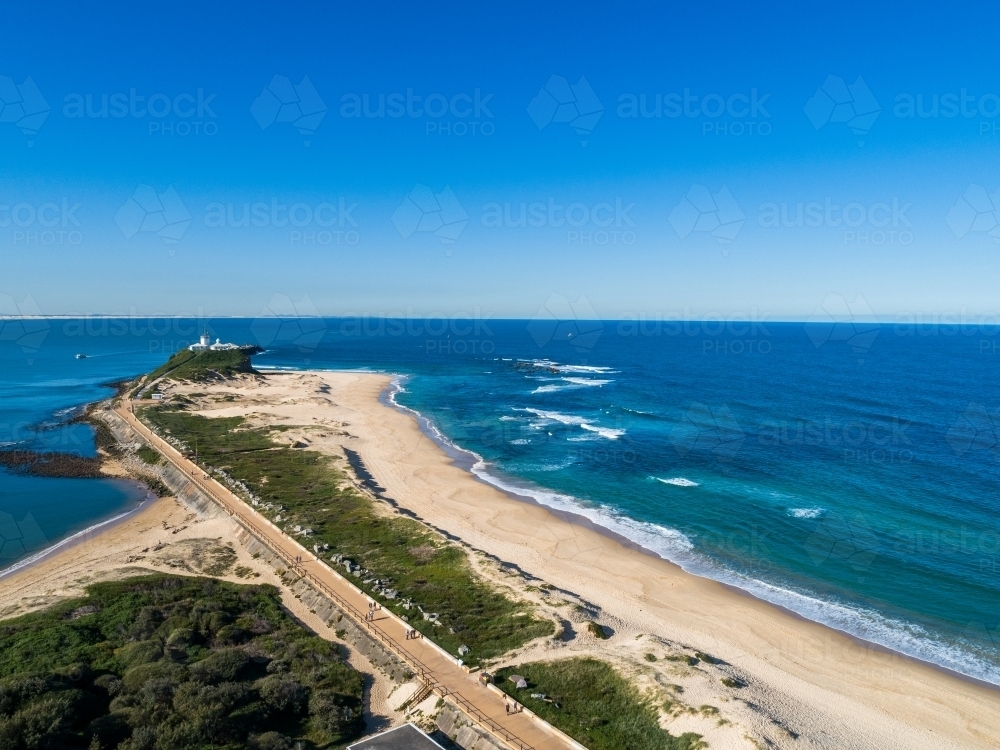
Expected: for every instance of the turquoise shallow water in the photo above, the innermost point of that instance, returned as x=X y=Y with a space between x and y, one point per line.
x=851 y=478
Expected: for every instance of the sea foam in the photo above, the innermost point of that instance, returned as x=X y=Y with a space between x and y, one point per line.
x=673 y=545
x=569 y=384
x=677 y=481
x=805 y=512
x=546 y=417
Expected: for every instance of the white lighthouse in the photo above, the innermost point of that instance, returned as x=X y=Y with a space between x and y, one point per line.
x=206 y=345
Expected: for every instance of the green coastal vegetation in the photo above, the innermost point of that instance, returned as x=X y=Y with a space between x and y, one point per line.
x=398 y=561
x=206 y=365
x=588 y=700
x=149 y=456
x=164 y=662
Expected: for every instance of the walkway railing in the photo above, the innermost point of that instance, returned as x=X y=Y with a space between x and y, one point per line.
x=421 y=670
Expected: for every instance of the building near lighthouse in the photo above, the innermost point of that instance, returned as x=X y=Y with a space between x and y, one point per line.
x=205 y=345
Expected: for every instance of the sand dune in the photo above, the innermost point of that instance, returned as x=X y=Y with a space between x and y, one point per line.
x=807 y=685
x=827 y=689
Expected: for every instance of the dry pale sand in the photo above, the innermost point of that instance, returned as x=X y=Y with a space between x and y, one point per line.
x=808 y=686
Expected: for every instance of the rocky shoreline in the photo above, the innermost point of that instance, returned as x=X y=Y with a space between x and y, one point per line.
x=113 y=458
x=46 y=464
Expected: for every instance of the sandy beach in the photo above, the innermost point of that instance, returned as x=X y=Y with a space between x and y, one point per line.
x=805 y=684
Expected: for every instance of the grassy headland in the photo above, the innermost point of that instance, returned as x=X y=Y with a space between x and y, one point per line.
x=171 y=663
x=207 y=365
x=398 y=561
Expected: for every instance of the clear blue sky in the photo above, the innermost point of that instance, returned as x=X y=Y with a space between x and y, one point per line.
x=760 y=105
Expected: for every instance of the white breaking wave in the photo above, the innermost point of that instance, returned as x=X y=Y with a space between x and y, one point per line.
x=585 y=369
x=569 y=419
x=554 y=416
x=587 y=381
x=605 y=432
x=582 y=369
x=569 y=384
x=677 y=482
x=905 y=637
x=664 y=541
x=805 y=512
x=670 y=544
x=395 y=388
x=550 y=388
x=520 y=441
x=554 y=466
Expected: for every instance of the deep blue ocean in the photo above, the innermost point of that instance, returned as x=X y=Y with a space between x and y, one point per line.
x=849 y=473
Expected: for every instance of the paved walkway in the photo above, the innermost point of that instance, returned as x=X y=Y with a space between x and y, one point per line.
x=433 y=666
